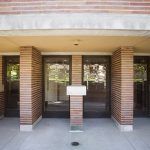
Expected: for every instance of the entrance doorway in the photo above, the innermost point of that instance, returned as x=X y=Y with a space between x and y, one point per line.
x=96 y=77
x=56 y=78
x=11 y=85
x=141 y=86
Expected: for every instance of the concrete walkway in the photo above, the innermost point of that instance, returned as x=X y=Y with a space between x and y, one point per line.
x=53 y=134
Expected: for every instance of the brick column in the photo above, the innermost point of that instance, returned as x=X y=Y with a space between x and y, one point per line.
x=30 y=87
x=76 y=102
x=122 y=88
x=2 y=102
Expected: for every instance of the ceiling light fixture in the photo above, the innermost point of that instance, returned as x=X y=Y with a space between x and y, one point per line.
x=77 y=42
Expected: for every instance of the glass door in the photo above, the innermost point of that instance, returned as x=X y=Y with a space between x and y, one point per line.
x=141 y=86
x=56 y=79
x=12 y=86
x=96 y=77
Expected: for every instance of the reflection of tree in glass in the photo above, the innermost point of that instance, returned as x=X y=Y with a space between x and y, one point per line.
x=58 y=72
x=13 y=71
x=95 y=73
x=140 y=72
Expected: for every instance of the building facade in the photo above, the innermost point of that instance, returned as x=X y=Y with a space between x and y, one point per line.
x=47 y=45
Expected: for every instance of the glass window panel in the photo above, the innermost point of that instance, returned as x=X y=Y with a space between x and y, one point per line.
x=96 y=78
x=57 y=77
x=140 y=86
x=12 y=77
x=140 y=72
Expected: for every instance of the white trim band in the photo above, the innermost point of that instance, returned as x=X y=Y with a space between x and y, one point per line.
x=141 y=54
x=71 y=53
x=9 y=53
x=76 y=53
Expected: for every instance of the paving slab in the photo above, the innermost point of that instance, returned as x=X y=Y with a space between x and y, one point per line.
x=53 y=134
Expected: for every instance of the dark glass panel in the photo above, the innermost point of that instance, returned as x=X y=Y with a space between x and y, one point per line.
x=140 y=86
x=12 y=85
x=96 y=76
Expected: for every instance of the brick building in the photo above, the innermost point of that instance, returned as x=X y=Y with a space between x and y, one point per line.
x=46 y=45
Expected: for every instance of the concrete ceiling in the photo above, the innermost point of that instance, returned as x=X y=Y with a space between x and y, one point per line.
x=66 y=43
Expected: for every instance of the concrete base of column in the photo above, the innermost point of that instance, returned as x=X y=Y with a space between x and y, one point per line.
x=1 y=116
x=29 y=128
x=123 y=128
x=76 y=128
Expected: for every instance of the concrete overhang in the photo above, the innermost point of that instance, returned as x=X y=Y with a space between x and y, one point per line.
x=75 y=21
x=57 y=33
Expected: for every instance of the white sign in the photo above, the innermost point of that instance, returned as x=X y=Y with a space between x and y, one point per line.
x=76 y=90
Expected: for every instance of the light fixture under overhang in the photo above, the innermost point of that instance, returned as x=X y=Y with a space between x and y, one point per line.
x=76 y=42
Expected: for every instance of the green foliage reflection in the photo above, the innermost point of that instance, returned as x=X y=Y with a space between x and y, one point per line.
x=13 y=72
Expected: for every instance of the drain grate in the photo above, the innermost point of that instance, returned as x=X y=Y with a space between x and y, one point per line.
x=75 y=143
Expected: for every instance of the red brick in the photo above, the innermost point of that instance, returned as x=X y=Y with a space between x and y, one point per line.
x=122 y=86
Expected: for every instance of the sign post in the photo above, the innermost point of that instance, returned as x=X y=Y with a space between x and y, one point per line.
x=76 y=93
